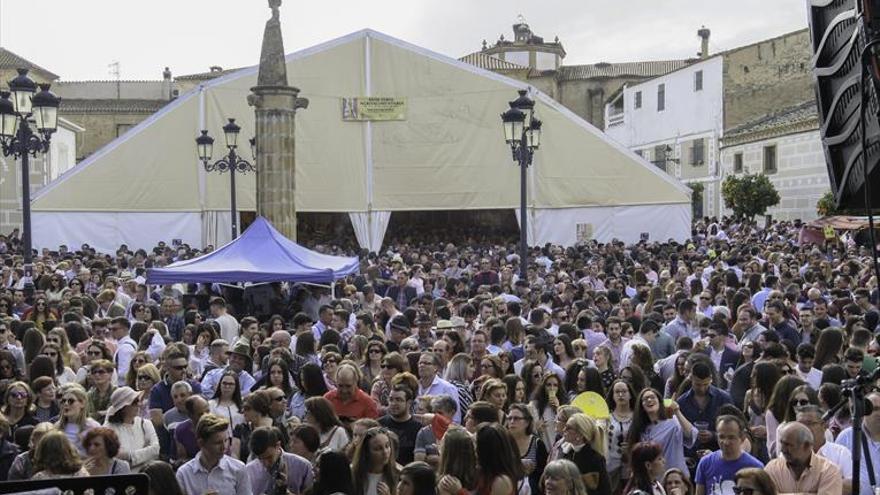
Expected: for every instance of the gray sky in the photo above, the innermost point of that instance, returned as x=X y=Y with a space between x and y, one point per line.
x=82 y=37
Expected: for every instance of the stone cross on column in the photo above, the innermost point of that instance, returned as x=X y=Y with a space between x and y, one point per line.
x=275 y=104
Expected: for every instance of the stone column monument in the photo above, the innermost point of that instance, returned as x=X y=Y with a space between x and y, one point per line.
x=275 y=104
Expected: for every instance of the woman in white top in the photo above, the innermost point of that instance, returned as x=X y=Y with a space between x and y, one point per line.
x=374 y=469
x=226 y=401
x=320 y=414
x=138 y=442
x=74 y=420
x=63 y=374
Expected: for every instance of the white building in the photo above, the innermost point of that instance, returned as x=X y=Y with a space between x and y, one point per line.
x=785 y=146
x=675 y=122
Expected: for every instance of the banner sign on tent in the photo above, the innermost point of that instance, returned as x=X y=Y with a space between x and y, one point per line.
x=373 y=108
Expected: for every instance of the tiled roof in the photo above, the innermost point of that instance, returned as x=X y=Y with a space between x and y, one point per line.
x=77 y=105
x=652 y=68
x=9 y=60
x=801 y=113
x=206 y=75
x=487 y=62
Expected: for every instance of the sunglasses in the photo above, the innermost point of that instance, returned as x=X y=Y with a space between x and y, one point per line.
x=96 y=353
x=375 y=351
x=19 y=395
x=739 y=490
x=801 y=402
x=145 y=377
x=99 y=371
x=68 y=401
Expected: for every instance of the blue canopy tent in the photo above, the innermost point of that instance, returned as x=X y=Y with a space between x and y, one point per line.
x=261 y=254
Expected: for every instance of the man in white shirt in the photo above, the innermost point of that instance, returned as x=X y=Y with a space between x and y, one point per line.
x=647 y=332
x=211 y=470
x=228 y=323
x=806 y=354
x=126 y=346
x=433 y=385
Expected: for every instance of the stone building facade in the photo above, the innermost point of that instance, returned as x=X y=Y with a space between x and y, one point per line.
x=583 y=89
x=786 y=147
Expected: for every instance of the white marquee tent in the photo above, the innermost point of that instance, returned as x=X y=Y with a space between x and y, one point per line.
x=448 y=154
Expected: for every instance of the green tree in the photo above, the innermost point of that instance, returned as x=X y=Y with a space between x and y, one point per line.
x=749 y=195
x=825 y=206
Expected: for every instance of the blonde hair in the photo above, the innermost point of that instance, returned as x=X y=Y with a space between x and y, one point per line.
x=76 y=390
x=65 y=343
x=589 y=430
x=210 y=424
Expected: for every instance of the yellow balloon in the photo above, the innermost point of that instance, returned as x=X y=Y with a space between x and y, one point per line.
x=592 y=404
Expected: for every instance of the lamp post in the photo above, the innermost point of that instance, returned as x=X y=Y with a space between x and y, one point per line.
x=522 y=131
x=232 y=162
x=20 y=108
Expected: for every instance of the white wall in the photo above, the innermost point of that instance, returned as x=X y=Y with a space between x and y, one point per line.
x=686 y=111
x=546 y=61
x=801 y=179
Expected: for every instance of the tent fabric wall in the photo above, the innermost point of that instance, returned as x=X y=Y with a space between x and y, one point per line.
x=106 y=231
x=448 y=153
x=370 y=228
x=625 y=223
x=216 y=227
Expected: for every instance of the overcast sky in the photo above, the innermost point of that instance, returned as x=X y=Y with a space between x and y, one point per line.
x=82 y=37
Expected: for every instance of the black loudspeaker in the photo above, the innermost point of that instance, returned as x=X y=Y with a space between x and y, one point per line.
x=840 y=30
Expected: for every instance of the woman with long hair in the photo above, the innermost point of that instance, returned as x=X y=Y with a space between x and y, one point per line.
x=545 y=400
x=372 y=365
x=57 y=457
x=516 y=390
x=829 y=347
x=417 y=478
x=499 y=466
x=585 y=446
x=562 y=415
x=332 y=474
x=456 y=344
x=803 y=395
x=756 y=481
x=63 y=374
x=572 y=376
x=635 y=376
x=96 y=350
x=74 y=420
x=563 y=354
x=18 y=406
x=138 y=442
x=320 y=414
x=374 y=471
x=357 y=350
x=647 y=465
x=392 y=364
x=162 y=479
x=641 y=356
x=679 y=374
x=621 y=401
x=531 y=449
x=459 y=372
x=226 y=400
x=764 y=377
x=667 y=426
x=278 y=376
x=138 y=359
x=31 y=343
x=312 y=383
x=532 y=374
x=40 y=313
x=777 y=406
x=58 y=336
x=9 y=366
x=458 y=462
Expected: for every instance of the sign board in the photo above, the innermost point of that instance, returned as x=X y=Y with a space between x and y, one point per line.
x=829 y=232
x=584 y=232
x=376 y=108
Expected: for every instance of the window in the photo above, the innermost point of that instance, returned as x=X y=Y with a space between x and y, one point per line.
x=737 y=163
x=638 y=100
x=661 y=97
x=770 y=159
x=698 y=80
x=698 y=153
x=660 y=156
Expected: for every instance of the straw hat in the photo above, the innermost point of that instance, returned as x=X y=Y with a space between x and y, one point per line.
x=121 y=397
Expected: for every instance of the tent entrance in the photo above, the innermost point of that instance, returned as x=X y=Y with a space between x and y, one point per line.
x=456 y=226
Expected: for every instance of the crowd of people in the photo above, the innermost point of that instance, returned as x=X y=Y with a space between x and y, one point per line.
x=711 y=367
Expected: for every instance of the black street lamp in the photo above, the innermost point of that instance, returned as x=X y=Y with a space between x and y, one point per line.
x=20 y=108
x=522 y=131
x=232 y=162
